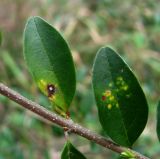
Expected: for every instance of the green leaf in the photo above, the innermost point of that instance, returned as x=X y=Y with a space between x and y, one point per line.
x=127 y=155
x=70 y=152
x=158 y=120
x=50 y=62
x=122 y=106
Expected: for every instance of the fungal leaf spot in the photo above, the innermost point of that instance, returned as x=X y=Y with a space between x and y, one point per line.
x=103 y=97
x=109 y=99
x=119 y=88
x=107 y=93
x=51 y=90
x=122 y=86
x=109 y=106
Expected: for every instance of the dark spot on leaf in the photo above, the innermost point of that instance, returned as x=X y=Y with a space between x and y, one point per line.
x=51 y=89
x=103 y=97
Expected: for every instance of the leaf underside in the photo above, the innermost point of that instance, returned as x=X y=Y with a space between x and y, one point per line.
x=50 y=62
x=122 y=107
x=70 y=152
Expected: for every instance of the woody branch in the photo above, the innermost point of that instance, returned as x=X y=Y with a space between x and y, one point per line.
x=62 y=122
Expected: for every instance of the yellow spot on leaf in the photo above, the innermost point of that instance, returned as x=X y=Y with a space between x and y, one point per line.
x=52 y=98
x=121 y=84
x=42 y=85
x=109 y=106
x=111 y=98
x=107 y=93
x=42 y=82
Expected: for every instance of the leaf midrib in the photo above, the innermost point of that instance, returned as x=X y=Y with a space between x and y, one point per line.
x=47 y=55
x=117 y=100
x=69 y=152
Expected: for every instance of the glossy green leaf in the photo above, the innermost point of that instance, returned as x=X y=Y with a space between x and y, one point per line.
x=158 y=120
x=50 y=62
x=122 y=106
x=70 y=152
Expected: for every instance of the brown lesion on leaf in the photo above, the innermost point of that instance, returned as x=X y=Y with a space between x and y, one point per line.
x=103 y=97
x=51 y=90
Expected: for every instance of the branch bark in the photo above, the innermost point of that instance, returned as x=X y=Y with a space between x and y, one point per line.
x=67 y=123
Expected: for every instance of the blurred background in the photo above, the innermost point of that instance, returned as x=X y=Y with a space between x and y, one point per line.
x=132 y=27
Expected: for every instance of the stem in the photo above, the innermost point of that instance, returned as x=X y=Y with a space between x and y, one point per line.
x=66 y=135
x=62 y=122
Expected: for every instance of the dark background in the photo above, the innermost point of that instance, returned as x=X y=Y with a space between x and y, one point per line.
x=132 y=27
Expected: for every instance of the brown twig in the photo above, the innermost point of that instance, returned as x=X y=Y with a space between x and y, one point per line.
x=69 y=124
